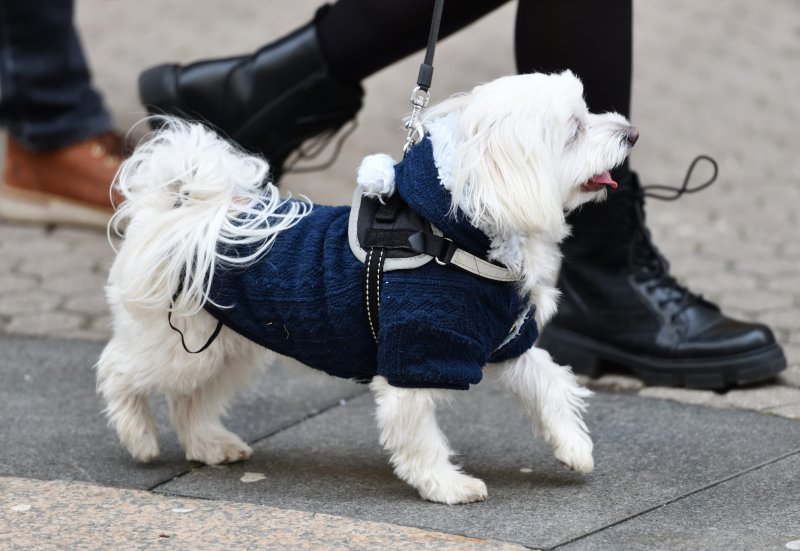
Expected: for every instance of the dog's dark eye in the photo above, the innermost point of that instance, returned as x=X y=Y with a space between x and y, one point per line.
x=577 y=130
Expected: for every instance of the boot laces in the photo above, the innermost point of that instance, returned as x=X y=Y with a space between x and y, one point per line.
x=652 y=266
x=313 y=148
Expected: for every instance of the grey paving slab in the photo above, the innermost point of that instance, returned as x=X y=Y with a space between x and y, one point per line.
x=53 y=428
x=648 y=452
x=758 y=510
x=726 y=89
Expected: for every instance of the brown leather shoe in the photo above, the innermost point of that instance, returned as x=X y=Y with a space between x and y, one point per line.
x=66 y=186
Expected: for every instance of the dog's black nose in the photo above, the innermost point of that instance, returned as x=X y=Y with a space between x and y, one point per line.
x=633 y=135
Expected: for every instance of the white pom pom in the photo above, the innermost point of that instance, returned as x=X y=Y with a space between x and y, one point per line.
x=376 y=175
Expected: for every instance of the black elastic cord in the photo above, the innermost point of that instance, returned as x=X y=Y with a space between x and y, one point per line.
x=316 y=147
x=172 y=326
x=183 y=341
x=425 y=77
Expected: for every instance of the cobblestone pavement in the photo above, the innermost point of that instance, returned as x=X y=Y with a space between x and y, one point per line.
x=717 y=77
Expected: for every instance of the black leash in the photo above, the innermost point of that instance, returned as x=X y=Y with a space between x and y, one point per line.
x=425 y=76
x=420 y=96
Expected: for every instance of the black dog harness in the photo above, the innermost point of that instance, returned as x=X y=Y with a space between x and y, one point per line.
x=389 y=235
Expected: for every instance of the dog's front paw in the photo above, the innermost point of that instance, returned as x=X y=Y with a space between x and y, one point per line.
x=453 y=488
x=144 y=448
x=217 y=452
x=575 y=452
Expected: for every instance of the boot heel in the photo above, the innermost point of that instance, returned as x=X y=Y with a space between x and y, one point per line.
x=566 y=351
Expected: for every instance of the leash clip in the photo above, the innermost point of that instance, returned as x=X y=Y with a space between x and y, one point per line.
x=419 y=100
x=420 y=95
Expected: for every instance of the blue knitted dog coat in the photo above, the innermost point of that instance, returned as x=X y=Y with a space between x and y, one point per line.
x=439 y=325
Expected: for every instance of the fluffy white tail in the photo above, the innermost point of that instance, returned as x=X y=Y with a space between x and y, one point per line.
x=189 y=195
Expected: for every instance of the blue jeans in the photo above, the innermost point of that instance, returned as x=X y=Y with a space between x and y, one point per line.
x=46 y=97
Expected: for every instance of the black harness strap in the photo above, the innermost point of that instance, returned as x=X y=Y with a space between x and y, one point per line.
x=390 y=209
x=376 y=257
x=386 y=234
x=418 y=241
x=440 y=248
x=384 y=220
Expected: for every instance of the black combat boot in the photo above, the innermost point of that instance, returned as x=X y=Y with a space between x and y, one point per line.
x=268 y=102
x=621 y=308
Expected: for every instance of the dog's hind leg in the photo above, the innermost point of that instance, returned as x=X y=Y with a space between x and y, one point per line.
x=420 y=453
x=551 y=396
x=127 y=407
x=195 y=413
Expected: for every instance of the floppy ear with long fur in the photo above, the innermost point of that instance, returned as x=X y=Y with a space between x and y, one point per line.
x=505 y=174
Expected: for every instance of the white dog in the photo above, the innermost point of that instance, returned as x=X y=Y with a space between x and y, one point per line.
x=513 y=156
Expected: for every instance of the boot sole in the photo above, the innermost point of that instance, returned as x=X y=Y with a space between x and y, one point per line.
x=590 y=357
x=41 y=208
x=158 y=91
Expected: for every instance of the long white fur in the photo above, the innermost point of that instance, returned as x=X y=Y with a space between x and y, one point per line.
x=223 y=199
x=513 y=153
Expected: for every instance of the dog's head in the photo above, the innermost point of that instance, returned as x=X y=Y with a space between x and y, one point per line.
x=529 y=151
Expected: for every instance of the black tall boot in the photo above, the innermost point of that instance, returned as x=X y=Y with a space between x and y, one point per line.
x=622 y=309
x=268 y=102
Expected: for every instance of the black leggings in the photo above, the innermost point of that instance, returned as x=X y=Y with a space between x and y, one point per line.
x=590 y=37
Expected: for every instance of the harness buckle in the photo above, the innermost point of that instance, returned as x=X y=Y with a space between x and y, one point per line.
x=446 y=254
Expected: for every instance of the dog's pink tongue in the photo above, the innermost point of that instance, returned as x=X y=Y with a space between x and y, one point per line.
x=604 y=179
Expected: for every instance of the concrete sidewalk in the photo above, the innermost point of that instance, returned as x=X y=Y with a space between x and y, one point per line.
x=700 y=470
x=669 y=475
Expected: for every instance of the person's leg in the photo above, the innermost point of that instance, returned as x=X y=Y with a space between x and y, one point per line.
x=591 y=38
x=61 y=154
x=306 y=83
x=361 y=37
x=620 y=305
x=46 y=100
